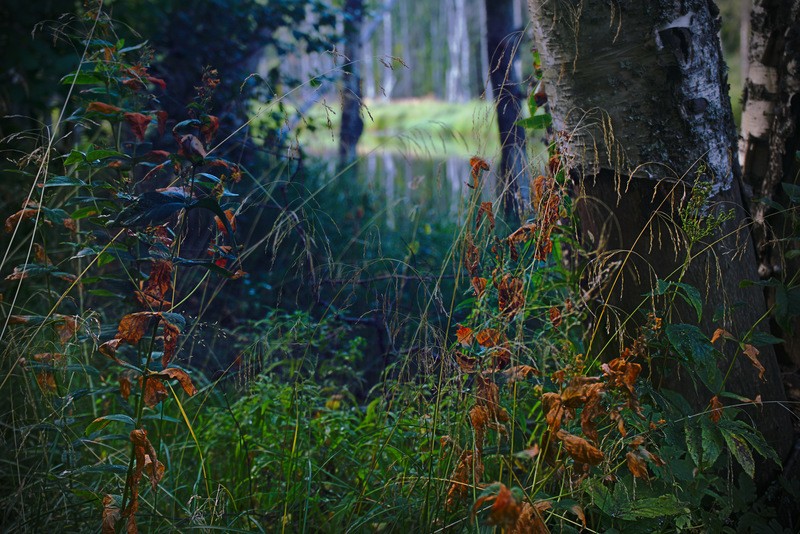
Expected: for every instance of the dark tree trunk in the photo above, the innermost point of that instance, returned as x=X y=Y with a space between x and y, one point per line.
x=639 y=93
x=352 y=122
x=503 y=40
x=769 y=141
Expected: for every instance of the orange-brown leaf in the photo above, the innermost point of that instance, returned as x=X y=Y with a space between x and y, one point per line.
x=66 y=326
x=109 y=349
x=467 y=364
x=554 y=410
x=229 y=215
x=111 y=515
x=138 y=123
x=159 y=285
x=577 y=509
x=505 y=509
x=580 y=449
x=636 y=465
x=191 y=147
x=485 y=209
x=479 y=285
x=464 y=335
x=134 y=325
x=209 y=127
x=716 y=409
x=154 y=391
x=720 y=332
x=171 y=373
x=171 y=334
x=752 y=353
x=488 y=337
x=102 y=107
x=555 y=316
x=124 y=386
x=510 y=295
x=21 y=215
x=477 y=165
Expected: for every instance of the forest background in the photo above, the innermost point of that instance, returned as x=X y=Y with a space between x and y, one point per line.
x=328 y=266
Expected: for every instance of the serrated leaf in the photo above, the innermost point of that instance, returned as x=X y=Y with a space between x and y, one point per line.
x=741 y=451
x=690 y=294
x=664 y=505
x=691 y=344
x=694 y=442
x=752 y=436
x=712 y=441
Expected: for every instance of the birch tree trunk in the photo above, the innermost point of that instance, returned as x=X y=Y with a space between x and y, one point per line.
x=770 y=139
x=503 y=42
x=639 y=93
x=352 y=123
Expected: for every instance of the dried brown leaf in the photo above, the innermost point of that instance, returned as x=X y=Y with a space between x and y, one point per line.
x=580 y=449
x=752 y=353
x=181 y=376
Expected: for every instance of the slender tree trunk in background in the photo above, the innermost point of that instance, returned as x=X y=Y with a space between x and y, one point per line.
x=503 y=41
x=388 y=73
x=486 y=82
x=368 y=66
x=639 y=90
x=769 y=141
x=352 y=122
x=744 y=36
x=458 y=46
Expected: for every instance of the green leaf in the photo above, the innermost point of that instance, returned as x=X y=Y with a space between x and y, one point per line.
x=753 y=437
x=97 y=155
x=664 y=505
x=741 y=451
x=694 y=442
x=539 y=121
x=693 y=346
x=688 y=293
x=75 y=156
x=102 y=422
x=84 y=78
x=151 y=208
x=62 y=181
x=713 y=443
x=792 y=191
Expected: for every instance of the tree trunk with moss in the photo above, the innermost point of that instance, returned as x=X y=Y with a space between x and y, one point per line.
x=638 y=94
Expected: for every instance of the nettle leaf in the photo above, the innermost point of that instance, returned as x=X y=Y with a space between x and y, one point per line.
x=712 y=441
x=687 y=292
x=741 y=451
x=692 y=345
x=694 y=442
x=664 y=505
x=752 y=436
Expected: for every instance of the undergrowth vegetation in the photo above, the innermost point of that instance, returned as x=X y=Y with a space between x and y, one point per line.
x=490 y=409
